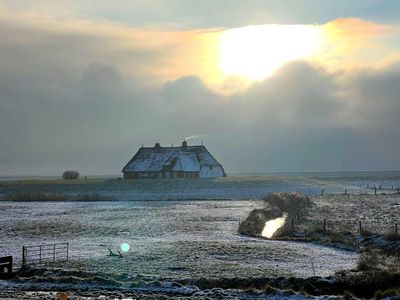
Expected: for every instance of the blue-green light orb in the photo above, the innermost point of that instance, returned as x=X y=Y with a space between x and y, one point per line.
x=125 y=247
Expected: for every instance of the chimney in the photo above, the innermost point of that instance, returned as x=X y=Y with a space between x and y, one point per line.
x=184 y=145
x=157 y=146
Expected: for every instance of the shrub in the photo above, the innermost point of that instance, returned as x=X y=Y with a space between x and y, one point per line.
x=70 y=175
x=288 y=202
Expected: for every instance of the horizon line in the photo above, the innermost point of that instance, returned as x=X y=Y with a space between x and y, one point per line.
x=228 y=173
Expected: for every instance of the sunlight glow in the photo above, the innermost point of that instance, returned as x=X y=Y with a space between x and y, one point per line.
x=255 y=52
x=125 y=247
x=272 y=226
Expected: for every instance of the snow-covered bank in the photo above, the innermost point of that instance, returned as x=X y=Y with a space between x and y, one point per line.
x=356 y=222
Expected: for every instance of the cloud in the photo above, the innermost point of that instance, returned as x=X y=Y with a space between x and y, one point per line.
x=209 y=13
x=351 y=42
x=85 y=96
x=148 y=55
x=297 y=120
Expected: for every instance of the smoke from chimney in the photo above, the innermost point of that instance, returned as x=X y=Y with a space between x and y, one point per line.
x=195 y=137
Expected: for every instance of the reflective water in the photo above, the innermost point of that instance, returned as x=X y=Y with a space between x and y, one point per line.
x=272 y=226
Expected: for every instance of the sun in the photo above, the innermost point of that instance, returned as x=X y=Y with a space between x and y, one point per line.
x=255 y=52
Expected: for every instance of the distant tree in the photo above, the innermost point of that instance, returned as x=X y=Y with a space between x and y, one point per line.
x=70 y=175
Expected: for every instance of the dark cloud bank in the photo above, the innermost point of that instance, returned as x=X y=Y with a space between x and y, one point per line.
x=59 y=110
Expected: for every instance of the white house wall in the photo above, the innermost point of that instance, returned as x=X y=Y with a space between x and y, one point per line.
x=211 y=172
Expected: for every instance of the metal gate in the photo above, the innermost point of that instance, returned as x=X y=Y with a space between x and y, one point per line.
x=41 y=254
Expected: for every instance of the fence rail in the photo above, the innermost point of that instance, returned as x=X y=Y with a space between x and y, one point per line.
x=41 y=254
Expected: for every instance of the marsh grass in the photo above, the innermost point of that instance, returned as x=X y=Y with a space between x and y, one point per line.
x=375 y=260
x=54 y=181
x=54 y=197
x=392 y=237
x=368 y=261
x=315 y=228
x=367 y=233
x=389 y=293
x=38 y=196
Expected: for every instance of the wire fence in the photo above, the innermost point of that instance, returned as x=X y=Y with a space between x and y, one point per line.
x=369 y=189
x=351 y=226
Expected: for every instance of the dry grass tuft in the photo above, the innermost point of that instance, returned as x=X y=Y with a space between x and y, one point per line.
x=368 y=261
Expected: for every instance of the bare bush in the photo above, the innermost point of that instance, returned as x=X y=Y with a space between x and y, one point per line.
x=293 y=203
x=70 y=175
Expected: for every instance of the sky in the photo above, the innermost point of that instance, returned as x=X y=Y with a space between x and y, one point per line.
x=267 y=86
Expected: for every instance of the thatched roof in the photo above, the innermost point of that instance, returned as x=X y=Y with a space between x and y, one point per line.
x=185 y=158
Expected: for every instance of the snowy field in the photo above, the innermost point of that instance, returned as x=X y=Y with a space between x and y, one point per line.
x=178 y=229
x=163 y=236
x=168 y=240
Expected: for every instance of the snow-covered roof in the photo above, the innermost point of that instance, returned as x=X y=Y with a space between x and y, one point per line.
x=156 y=159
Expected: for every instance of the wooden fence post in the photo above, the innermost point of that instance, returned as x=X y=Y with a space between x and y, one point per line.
x=293 y=224
x=360 y=227
x=324 y=225
x=313 y=269
x=23 y=256
x=395 y=231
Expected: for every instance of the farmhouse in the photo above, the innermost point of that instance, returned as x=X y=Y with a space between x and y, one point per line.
x=173 y=162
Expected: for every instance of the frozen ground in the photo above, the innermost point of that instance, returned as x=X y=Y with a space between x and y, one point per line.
x=378 y=213
x=169 y=240
x=174 y=238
